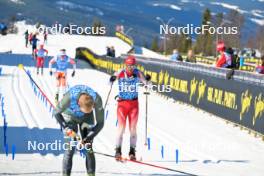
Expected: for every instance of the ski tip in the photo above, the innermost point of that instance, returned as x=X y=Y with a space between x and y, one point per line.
x=20 y=66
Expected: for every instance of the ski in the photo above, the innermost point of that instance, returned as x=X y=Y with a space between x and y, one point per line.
x=145 y=163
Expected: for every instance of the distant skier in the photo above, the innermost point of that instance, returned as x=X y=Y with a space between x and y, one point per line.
x=45 y=36
x=34 y=42
x=128 y=107
x=26 y=38
x=75 y=115
x=62 y=63
x=40 y=55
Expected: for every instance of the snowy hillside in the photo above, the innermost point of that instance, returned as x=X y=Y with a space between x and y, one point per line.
x=206 y=144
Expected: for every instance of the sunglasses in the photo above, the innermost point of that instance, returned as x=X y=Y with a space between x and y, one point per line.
x=130 y=66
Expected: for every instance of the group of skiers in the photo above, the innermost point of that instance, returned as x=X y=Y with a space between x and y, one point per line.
x=80 y=110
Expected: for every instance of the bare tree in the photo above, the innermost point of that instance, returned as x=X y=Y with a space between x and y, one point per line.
x=235 y=19
x=260 y=39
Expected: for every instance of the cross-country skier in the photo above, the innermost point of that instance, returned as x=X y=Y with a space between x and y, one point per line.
x=75 y=115
x=34 y=41
x=128 y=81
x=40 y=55
x=62 y=63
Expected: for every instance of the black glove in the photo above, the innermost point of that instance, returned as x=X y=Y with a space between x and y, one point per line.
x=73 y=73
x=89 y=137
x=60 y=120
x=112 y=78
x=134 y=75
x=50 y=73
x=148 y=77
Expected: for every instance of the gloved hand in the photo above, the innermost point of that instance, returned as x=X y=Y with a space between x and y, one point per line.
x=112 y=78
x=89 y=137
x=148 y=77
x=73 y=73
x=50 y=73
x=69 y=132
x=134 y=75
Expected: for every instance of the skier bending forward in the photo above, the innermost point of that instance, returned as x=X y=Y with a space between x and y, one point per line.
x=75 y=115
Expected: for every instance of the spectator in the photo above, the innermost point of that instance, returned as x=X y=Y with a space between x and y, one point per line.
x=190 y=56
x=176 y=56
x=26 y=37
x=224 y=60
x=112 y=51
x=108 y=51
x=230 y=51
x=260 y=68
x=241 y=61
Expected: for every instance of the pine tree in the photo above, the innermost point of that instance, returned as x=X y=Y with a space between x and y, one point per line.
x=204 y=42
x=97 y=24
x=155 y=44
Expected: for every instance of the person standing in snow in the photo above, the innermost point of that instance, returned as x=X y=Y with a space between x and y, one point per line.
x=128 y=107
x=40 y=55
x=80 y=111
x=62 y=63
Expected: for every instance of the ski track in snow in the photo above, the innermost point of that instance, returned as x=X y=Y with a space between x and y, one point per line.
x=26 y=102
x=18 y=99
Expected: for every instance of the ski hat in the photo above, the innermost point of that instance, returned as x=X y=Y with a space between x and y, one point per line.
x=130 y=60
x=220 y=46
x=63 y=52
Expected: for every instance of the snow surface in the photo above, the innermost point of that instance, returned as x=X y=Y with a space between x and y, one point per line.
x=229 y=6
x=171 y=6
x=258 y=21
x=207 y=145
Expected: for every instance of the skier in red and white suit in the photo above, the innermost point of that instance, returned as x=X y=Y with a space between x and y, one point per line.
x=40 y=54
x=128 y=81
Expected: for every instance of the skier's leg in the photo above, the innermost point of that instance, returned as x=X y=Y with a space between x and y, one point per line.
x=63 y=84
x=90 y=161
x=58 y=87
x=38 y=64
x=42 y=65
x=67 y=161
x=133 y=119
x=121 y=117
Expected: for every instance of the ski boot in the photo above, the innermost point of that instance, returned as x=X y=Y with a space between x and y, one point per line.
x=132 y=153
x=118 y=154
x=56 y=99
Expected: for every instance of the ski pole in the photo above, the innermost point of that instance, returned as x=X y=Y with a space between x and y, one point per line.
x=146 y=164
x=108 y=94
x=146 y=117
